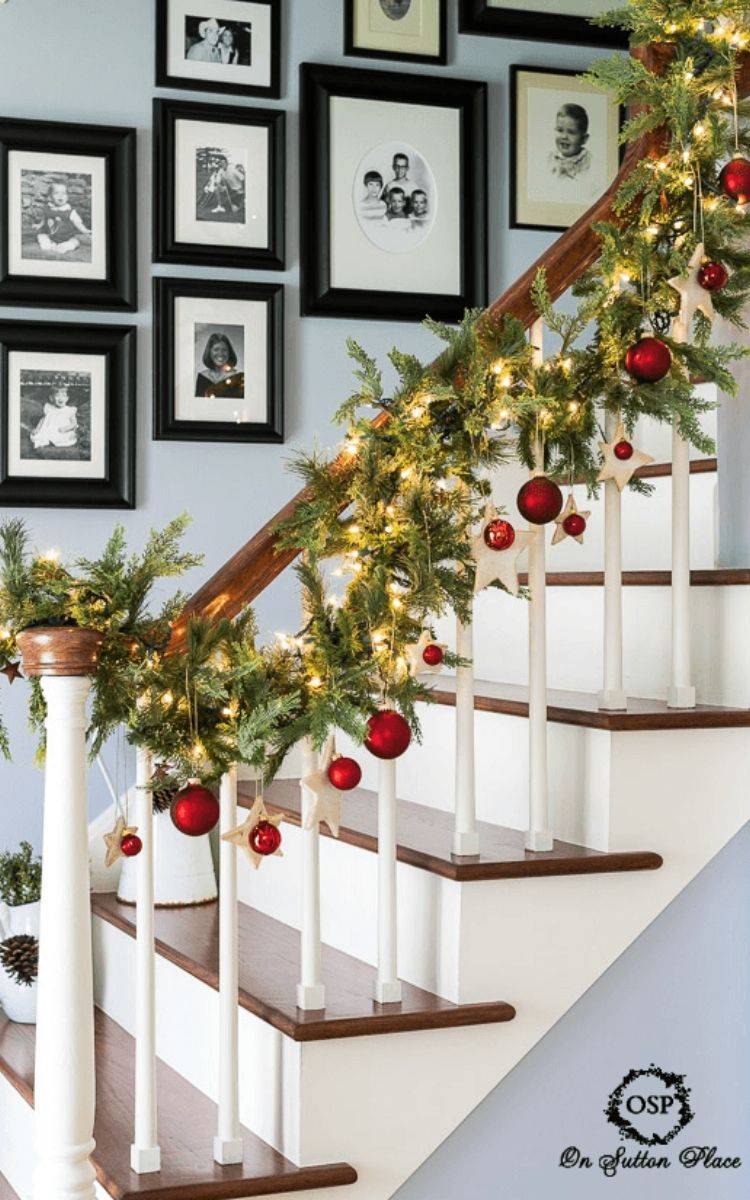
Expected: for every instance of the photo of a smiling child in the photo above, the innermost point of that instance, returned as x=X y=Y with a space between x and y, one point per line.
x=395 y=197
x=55 y=416
x=56 y=215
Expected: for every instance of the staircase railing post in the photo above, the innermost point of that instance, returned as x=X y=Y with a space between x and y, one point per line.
x=311 y=992
x=228 y=1143
x=612 y=695
x=465 y=836
x=387 y=984
x=145 y=1154
x=681 y=691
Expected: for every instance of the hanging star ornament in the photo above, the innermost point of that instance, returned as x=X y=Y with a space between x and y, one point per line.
x=241 y=835
x=414 y=654
x=620 y=469
x=571 y=510
x=500 y=565
x=12 y=672
x=325 y=800
x=114 y=841
x=693 y=296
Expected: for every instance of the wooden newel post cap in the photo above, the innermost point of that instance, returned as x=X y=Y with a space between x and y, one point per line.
x=59 y=650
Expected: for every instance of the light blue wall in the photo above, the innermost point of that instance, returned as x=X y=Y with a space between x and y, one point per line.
x=93 y=61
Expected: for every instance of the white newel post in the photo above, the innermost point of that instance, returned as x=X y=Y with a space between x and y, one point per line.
x=465 y=837
x=145 y=1154
x=539 y=835
x=228 y=1143
x=612 y=695
x=681 y=691
x=387 y=984
x=311 y=992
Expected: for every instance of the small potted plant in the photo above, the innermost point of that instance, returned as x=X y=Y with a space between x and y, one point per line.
x=20 y=891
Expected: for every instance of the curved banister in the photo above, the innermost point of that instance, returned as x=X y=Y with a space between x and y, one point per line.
x=256 y=564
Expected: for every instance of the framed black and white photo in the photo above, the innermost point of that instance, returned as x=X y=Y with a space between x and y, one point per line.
x=565 y=148
x=219 y=46
x=67 y=415
x=218 y=361
x=410 y=30
x=541 y=21
x=393 y=194
x=219 y=185
x=67 y=215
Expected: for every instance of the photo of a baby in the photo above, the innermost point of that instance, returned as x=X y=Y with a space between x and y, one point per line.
x=55 y=415
x=56 y=216
x=220 y=185
x=571 y=156
x=395 y=197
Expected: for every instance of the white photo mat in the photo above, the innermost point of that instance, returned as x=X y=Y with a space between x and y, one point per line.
x=357 y=126
x=253 y=141
x=258 y=16
x=252 y=315
x=417 y=32
x=93 y=364
x=35 y=160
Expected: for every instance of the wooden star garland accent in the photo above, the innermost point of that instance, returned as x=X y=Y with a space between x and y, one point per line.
x=114 y=841
x=621 y=470
x=325 y=806
x=12 y=672
x=241 y=835
x=500 y=565
x=693 y=297
x=570 y=507
x=414 y=654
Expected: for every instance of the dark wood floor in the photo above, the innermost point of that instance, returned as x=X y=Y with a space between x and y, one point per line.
x=187 y=1121
x=425 y=836
x=6 y=1191
x=581 y=708
x=268 y=976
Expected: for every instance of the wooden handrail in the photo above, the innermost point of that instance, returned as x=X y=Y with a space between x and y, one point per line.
x=256 y=564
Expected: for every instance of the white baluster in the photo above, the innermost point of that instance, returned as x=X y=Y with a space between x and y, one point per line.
x=539 y=835
x=311 y=992
x=64 y=1073
x=681 y=691
x=145 y=1154
x=387 y=984
x=612 y=695
x=228 y=1143
x=465 y=837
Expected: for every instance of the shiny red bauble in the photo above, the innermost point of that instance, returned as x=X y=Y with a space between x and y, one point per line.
x=131 y=845
x=194 y=810
x=623 y=450
x=735 y=180
x=344 y=774
x=713 y=276
x=499 y=534
x=433 y=655
x=648 y=360
x=574 y=524
x=540 y=500
x=388 y=734
x=265 y=839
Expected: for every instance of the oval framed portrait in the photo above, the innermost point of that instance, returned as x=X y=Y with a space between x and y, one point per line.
x=395 y=197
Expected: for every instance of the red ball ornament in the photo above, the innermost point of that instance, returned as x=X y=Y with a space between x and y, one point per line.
x=388 y=734
x=131 y=845
x=194 y=810
x=540 y=500
x=499 y=534
x=344 y=774
x=574 y=524
x=648 y=360
x=713 y=276
x=623 y=450
x=735 y=180
x=265 y=839
x=433 y=655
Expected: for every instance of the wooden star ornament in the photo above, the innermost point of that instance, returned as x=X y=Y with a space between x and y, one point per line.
x=240 y=836
x=500 y=565
x=693 y=296
x=620 y=469
x=571 y=509
x=325 y=799
x=414 y=654
x=114 y=841
x=12 y=672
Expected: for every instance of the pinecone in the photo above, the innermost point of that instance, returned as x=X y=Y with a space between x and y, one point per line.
x=162 y=795
x=19 y=957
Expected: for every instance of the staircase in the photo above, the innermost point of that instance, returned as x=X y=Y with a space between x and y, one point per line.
x=493 y=948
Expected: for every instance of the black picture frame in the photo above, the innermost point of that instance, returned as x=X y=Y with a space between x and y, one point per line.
x=118 y=344
x=166 y=248
x=166 y=425
x=117 y=147
x=318 y=84
x=477 y=16
x=353 y=51
x=187 y=83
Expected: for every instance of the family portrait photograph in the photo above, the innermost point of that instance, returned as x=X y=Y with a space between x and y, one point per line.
x=395 y=197
x=219 y=45
x=411 y=30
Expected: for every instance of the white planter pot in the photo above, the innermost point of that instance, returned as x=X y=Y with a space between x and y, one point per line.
x=18 y=1002
x=183 y=869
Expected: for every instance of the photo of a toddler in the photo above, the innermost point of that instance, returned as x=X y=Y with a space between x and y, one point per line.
x=571 y=156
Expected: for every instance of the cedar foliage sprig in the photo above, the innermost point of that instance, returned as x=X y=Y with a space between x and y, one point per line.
x=20 y=876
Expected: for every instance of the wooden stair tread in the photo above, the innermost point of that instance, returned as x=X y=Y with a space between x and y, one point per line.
x=189 y=937
x=6 y=1191
x=581 y=708
x=425 y=837
x=722 y=577
x=187 y=1122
